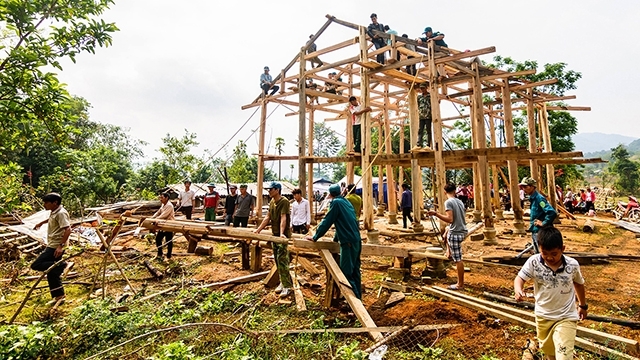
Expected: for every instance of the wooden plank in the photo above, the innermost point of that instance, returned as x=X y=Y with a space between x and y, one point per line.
x=331 y=48
x=489 y=306
x=273 y=278
x=308 y=266
x=297 y=292
x=356 y=304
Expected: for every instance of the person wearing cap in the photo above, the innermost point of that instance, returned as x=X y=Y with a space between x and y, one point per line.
x=429 y=35
x=377 y=41
x=313 y=48
x=356 y=112
x=211 y=203
x=186 y=198
x=542 y=213
x=341 y=214
x=266 y=82
x=300 y=213
x=279 y=216
x=245 y=203
x=230 y=205
x=424 y=113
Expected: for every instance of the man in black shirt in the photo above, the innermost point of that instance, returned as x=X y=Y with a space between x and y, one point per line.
x=230 y=205
x=378 y=42
x=315 y=59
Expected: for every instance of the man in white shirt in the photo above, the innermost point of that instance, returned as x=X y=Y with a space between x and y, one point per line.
x=164 y=213
x=300 y=213
x=356 y=119
x=187 y=198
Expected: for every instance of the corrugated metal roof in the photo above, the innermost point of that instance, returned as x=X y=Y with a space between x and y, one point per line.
x=252 y=188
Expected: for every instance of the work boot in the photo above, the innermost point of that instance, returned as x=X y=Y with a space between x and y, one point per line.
x=279 y=288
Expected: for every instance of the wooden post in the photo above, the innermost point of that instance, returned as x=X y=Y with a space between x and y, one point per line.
x=391 y=185
x=436 y=119
x=487 y=215
x=260 y=184
x=310 y=194
x=494 y=169
x=531 y=125
x=349 y=132
x=402 y=149
x=518 y=221
x=477 y=193
x=546 y=138
x=256 y=257
x=367 y=181
x=380 y=171
x=245 y=255
x=302 y=122
x=416 y=171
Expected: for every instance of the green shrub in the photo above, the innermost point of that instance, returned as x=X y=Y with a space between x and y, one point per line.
x=34 y=341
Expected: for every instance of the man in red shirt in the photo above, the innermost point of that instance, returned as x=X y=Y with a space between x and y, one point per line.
x=211 y=203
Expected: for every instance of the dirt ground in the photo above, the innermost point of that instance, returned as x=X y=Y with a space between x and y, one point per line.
x=612 y=288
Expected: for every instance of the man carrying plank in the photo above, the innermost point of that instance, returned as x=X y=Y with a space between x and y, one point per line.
x=342 y=214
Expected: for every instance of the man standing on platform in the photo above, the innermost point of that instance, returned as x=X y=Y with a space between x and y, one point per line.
x=542 y=213
x=313 y=48
x=58 y=231
x=300 y=213
x=356 y=120
x=406 y=204
x=245 y=203
x=455 y=213
x=340 y=214
x=279 y=216
x=211 y=203
x=230 y=205
x=377 y=41
x=187 y=198
x=424 y=111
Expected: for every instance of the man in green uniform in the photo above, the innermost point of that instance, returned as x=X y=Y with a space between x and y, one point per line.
x=279 y=216
x=341 y=215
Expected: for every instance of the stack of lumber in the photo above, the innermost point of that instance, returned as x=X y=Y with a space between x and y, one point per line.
x=10 y=219
x=13 y=244
x=597 y=342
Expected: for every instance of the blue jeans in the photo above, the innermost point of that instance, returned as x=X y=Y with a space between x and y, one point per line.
x=534 y=239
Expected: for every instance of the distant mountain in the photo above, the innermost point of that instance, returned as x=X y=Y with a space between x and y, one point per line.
x=595 y=142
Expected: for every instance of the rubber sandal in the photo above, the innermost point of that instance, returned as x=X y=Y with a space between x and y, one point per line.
x=454 y=287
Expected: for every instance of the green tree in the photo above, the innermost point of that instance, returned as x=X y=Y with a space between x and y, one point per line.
x=176 y=153
x=34 y=105
x=244 y=168
x=325 y=144
x=279 y=146
x=627 y=171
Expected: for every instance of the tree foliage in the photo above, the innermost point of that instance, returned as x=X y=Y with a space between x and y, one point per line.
x=244 y=168
x=627 y=171
x=34 y=105
x=326 y=143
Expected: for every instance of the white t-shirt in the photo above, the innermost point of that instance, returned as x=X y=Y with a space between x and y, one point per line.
x=554 y=292
x=300 y=212
x=355 y=119
x=186 y=198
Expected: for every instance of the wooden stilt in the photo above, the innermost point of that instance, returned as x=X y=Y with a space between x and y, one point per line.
x=494 y=169
x=310 y=194
x=438 y=143
x=302 y=123
x=518 y=222
x=391 y=185
x=531 y=126
x=416 y=171
x=255 y=258
x=245 y=255
x=349 y=132
x=260 y=177
x=367 y=182
x=546 y=137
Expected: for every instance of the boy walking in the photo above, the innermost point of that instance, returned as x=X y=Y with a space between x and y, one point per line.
x=58 y=231
x=455 y=213
x=556 y=283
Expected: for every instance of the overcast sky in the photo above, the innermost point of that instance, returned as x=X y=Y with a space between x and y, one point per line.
x=192 y=64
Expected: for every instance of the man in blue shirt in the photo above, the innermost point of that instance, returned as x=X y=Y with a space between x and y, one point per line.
x=342 y=214
x=377 y=41
x=266 y=82
x=542 y=213
x=406 y=204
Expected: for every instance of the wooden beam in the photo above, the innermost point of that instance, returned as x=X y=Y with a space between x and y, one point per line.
x=507 y=75
x=345 y=288
x=335 y=47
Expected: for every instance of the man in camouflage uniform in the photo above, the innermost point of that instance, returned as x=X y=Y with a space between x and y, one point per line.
x=279 y=216
x=424 y=111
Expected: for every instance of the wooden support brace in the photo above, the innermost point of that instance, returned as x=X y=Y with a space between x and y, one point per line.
x=255 y=258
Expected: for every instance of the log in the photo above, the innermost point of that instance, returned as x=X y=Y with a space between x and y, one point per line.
x=297 y=292
x=200 y=228
x=154 y=272
x=508 y=313
x=238 y=280
x=588 y=226
x=529 y=305
x=356 y=304
x=204 y=250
